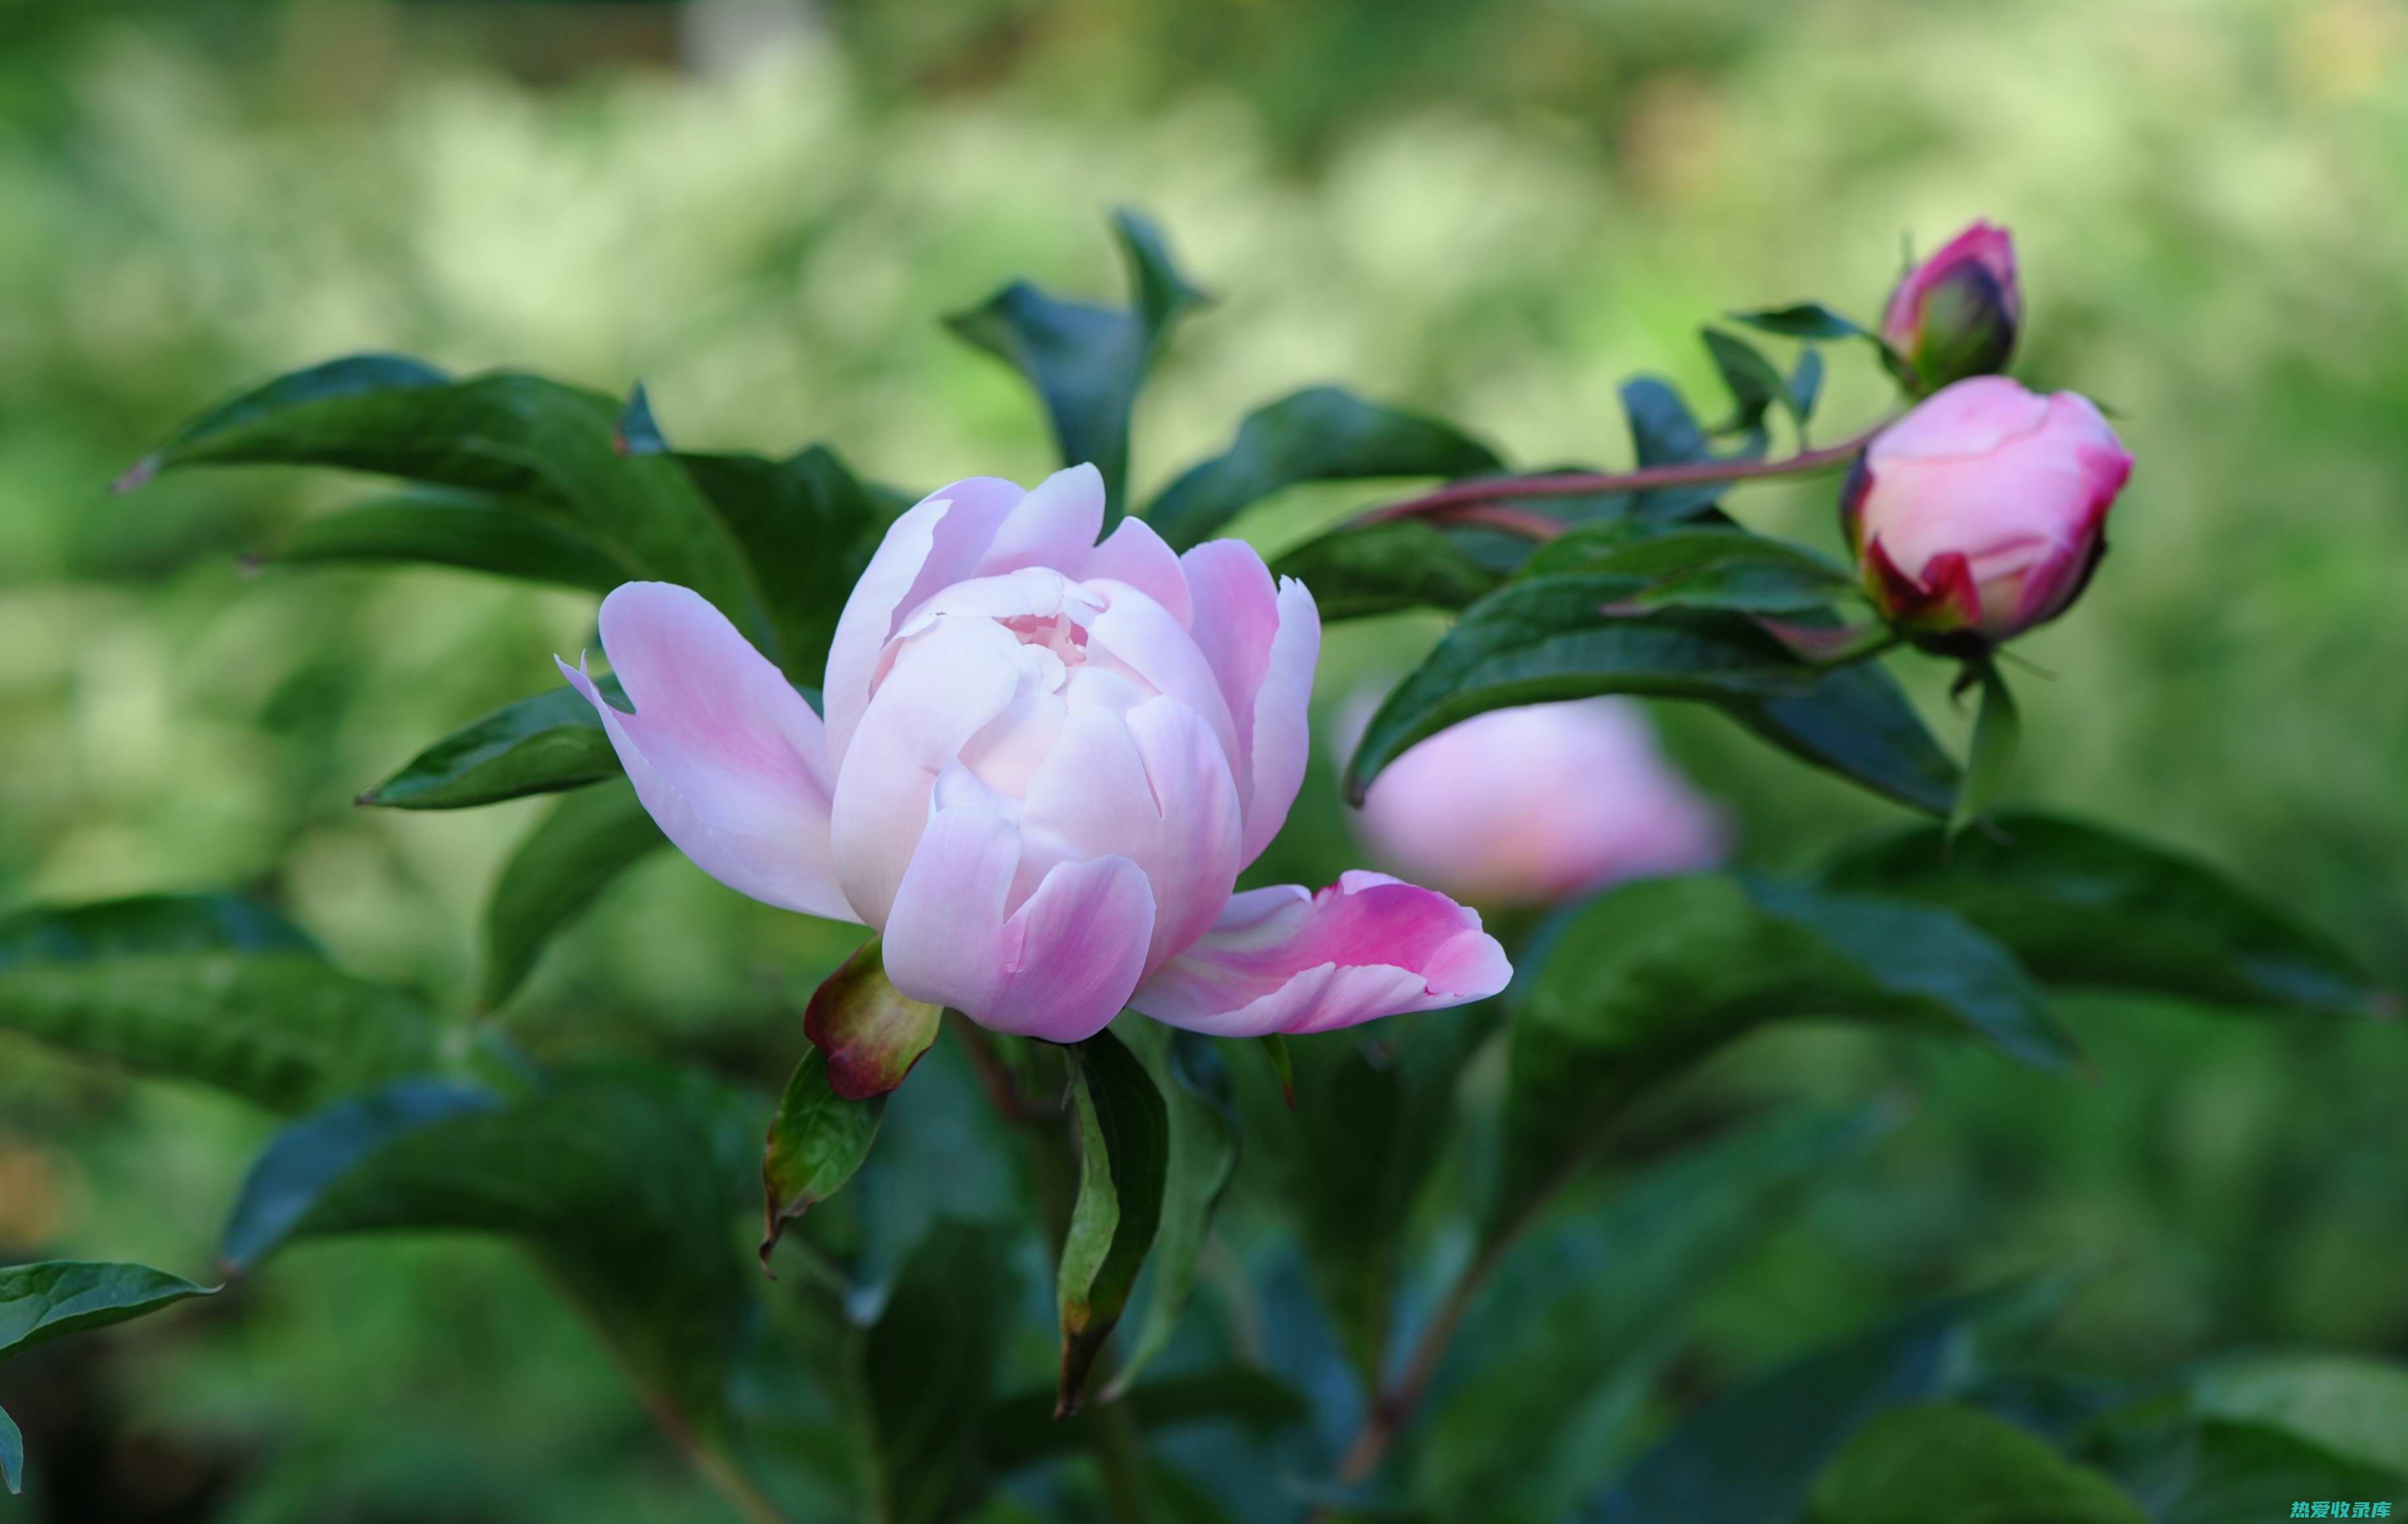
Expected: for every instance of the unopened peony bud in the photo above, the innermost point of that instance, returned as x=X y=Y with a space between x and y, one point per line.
x=1957 y=314
x=1525 y=805
x=1982 y=512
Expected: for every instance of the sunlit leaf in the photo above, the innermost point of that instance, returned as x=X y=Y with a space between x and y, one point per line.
x=541 y=744
x=1124 y=1170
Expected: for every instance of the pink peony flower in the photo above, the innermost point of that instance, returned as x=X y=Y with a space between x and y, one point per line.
x=1044 y=762
x=1984 y=509
x=1522 y=805
x=1957 y=313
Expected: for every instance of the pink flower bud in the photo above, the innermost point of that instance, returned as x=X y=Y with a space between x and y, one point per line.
x=1044 y=763
x=1957 y=314
x=1531 y=804
x=1982 y=512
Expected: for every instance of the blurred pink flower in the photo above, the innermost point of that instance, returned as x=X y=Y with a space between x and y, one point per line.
x=1044 y=762
x=1521 y=805
x=1984 y=509
x=1957 y=313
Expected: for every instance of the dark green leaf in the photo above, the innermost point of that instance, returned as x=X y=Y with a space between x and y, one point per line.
x=1996 y=730
x=1663 y=432
x=205 y=987
x=1088 y=361
x=928 y=1371
x=1938 y=1463
x=457 y=529
x=1751 y=1456
x=351 y=376
x=1856 y=722
x=2355 y=1407
x=625 y=1184
x=870 y=1032
x=1022 y=1430
x=1349 y=1158
x=1274 y=1046
x=1562 y=1348
x=2186 y=1469
x=39 y=1303
x=2084 y=906
x=1322 y=434
x=1717 y=568
x=1757 y=387
x=1805 y=385
x=542 y=744
x=12 y=1454
x=1195 y=1087
x=512 y=435
x=816 y=1141
x=810 y=527
x=1124 y=1171
x=1541 y=639
x=1381 y=568
x=1805 y=320
x=586 y=841
x=1648 y=979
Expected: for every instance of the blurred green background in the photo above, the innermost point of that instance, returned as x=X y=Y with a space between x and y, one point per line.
x=1495 y=212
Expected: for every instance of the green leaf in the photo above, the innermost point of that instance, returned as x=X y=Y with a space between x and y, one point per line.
x=1663 y=432
x=869 y=1032
x=588 y=839
x=1715 y=567
x=637 y=431
x=626 y=1183
x=1996 y=730
x=928 y=1370
x=2186 y=1470
x=1563 y=1347
x=1088 y=361
x=1756 y=385
x=39 y=1303
x=1188 y=1073
x=1805 y=386
x=816 y=1141
x=2352 y=1407
x=1804 y=320
x=1646 y=979
x=210 y=988
x=1541 y=638
x=458 y=529
x=1752 y=1455
x=1856 y=722
x=1124 y=1170
x=810 y=527
x=2087 y=906
x=1022 y=1430
x=1274 y=1046
x=351 y=376
x=505 y=434
x=12 y=1454
x=1321 y=434
x=1383 y=568
x=545 y=743
x=1354 y=1154
x=1937 y=1463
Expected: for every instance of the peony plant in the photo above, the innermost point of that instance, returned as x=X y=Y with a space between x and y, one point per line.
x=1044 y=746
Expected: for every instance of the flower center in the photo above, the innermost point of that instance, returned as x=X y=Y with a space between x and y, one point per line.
x=1055 y=633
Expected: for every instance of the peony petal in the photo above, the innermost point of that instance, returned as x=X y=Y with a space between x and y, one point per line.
x=1059 y=967
x=724 y=753
x=945 y=686
x=1054 y=525
x=938 y=542
x=1283 y=960
x=1135 y=555
x=1263 y=643
x=1969 y=419
x=1153 y=786
x=1141 y=635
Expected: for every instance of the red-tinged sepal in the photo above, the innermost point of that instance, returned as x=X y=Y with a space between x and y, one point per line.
x=870 y=1032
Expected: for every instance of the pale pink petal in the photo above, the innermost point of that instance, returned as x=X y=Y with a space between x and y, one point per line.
x=1263 y=642
x=1135 y=555
x=1283 y=960
x=1969 y=418
x=724 y=753
x=938 y=542
x=1060 y=967
x=946 y=685
x=1153 y=786
x=1141 y=635
x=1054 y=525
